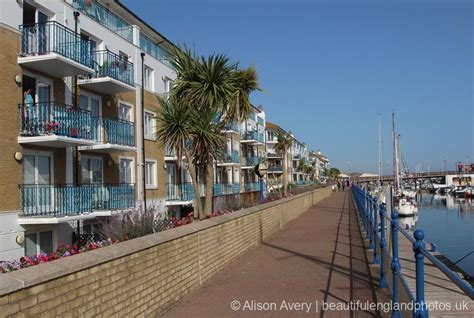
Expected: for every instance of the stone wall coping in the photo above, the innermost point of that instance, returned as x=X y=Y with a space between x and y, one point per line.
x=41 y=273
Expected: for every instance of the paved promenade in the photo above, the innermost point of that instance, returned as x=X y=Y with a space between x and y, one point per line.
x=317 y=259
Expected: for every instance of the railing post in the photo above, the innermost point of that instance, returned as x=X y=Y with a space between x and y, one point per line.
x=376 y=258
x=369 y=217
x=383 y=244
x=395 y=263
x=420 y=306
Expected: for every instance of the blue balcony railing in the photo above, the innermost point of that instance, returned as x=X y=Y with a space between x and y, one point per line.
x=253 y=135
x=52 y=37
x=180 y=192
x=225 y=188
x=231 y=157
x=252 y=161
x=112 y=65
x=275 y=169
x=52 y=118
x=114 y=131
x=260 y=121
x=234 y=126
x=156 y=50
x=105 y=17
x=63 y=200
x=251 y=187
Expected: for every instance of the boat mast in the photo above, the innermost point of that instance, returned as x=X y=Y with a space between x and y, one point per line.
x=395 y=154
x=380 y=152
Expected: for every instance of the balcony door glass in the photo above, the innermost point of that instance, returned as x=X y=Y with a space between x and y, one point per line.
x=92 y=170
x=37 y=180
x=126 y=166
x=125 y=112
x=171 y=173
x=93 y=105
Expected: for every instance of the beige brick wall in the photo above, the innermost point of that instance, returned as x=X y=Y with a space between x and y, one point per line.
x=145 y=276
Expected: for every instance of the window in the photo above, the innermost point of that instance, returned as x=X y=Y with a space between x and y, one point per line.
x=40 y=242
x=125 y=111
x=149 y=125
x=148 y=78
x=150 y=174
x=92 y=170
x=126 y=170
x=168 y=84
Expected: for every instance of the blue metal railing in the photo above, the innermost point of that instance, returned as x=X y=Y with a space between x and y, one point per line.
x=234 y=126
x=105 y=17
x=52 y=118
x=260 y=121
x=253 y=135
x=113 y=131
x=275 y=169
x=112 y=65
x=225 y=188
x=180 y=192
x=374 y=219
x=63 y=200
x=252 y=161
x=251 y=187
x=156 y=50
x=53 y=37
x=232 y=156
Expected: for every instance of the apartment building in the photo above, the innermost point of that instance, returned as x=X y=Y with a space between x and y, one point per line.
x=322 y=164
x=275 y=159
x=233 y=171
x=72 y=142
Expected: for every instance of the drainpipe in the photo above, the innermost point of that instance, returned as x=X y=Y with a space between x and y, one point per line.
x=142 y=100
x=76 y=106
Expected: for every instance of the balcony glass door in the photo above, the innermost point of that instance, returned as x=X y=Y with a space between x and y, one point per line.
x=93 y=105
x=37 y=179
x=92 y=174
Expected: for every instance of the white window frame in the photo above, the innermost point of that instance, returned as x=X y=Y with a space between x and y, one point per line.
x=127 y=104
x=155 y=174
x=149 y=82
x=37 y=153
x=132 y=159
x=37 y=230
x=147 y=135
x=90 y=176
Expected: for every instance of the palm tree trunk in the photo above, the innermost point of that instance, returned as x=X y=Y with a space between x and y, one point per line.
x=209 y=174
x=197 y=195
x=285 y=173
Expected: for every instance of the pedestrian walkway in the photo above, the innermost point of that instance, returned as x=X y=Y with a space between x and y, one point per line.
x=317 y=261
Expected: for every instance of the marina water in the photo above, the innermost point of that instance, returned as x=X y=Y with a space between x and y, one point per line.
x=449 y=223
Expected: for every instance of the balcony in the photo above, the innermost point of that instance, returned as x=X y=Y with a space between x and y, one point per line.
x=251 y=187
x=53 y=124
x=273 y=155
x=225 y=188
x=155 y=50
x=179 y=193
x=104 y=16
x=53 y=49
x=260 y=121
x=113 y=74
x=232 y=128
x=229 y=158
x=63 y=203
x=251 y=161
x=253 y=137
x=112 y=134
x=275 y=169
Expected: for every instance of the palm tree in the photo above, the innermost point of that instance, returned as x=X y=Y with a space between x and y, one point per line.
x=216 y=91
x=284 y=142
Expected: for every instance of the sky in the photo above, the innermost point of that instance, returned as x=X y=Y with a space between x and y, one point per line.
x=328 y=68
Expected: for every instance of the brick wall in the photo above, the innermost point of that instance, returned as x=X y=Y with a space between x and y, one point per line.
x=145 y=276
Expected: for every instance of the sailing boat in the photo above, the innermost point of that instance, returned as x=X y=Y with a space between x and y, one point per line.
x=404 y=204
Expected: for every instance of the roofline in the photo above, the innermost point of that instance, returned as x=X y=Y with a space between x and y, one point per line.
x=144 y=22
